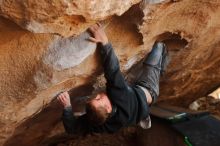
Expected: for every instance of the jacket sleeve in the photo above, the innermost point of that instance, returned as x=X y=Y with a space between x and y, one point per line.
x=69 y=121
x=72 y=124
x=111 y=67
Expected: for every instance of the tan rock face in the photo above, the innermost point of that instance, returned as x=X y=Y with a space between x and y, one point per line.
x=65 y=17
x=42 y=65
x=193 y=70
x=36 y=67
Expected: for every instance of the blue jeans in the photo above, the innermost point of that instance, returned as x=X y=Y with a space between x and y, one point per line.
x=153 y=66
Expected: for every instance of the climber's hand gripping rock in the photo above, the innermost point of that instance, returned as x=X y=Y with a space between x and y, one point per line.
x=64 y=99
x=98 y=34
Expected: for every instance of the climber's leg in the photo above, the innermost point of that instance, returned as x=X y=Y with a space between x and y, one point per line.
x=154 y=64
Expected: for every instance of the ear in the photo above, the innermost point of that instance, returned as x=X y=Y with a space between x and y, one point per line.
x=109 y=107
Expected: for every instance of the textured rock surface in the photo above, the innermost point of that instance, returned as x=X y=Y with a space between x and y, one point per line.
x=35 y=67
x=65 y=17
x=193 y=71
x=31 y=74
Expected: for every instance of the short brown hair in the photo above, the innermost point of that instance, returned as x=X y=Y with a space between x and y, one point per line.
x=96 y=116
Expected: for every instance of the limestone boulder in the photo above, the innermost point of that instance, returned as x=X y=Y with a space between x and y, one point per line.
x=64 y=17
x=191 y=30
x=36 y=67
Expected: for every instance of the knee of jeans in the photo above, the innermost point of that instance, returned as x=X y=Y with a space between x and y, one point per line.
x=158 y=47
x=154 y=97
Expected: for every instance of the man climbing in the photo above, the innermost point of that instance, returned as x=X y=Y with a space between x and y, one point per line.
x=120 y=105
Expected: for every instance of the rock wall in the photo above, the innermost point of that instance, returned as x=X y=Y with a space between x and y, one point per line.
x=193 y=71
x=61 y=16
x=55 y=56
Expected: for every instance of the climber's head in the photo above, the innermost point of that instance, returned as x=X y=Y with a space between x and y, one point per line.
x=99 y=108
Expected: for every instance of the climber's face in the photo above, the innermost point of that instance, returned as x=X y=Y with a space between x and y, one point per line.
x=102 y=100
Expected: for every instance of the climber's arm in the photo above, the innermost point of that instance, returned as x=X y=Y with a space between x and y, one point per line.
x=71 y=123
x=110 y=61
x=111 y=67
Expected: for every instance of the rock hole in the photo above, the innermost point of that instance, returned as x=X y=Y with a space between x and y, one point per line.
x=174 y=41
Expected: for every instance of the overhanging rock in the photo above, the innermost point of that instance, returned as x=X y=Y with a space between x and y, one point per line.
x=61 y=16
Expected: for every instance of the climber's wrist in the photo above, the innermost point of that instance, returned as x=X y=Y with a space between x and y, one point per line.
x=67 y=105
x=104 y=42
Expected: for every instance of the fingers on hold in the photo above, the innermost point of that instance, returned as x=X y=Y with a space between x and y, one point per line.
x=66 y=93
x=99 y=24
x=58 y=97
x=62 y=99
x=64 y=96
x=92 y=39
x=96 y=26
x=91 y=29
x=61 y=96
